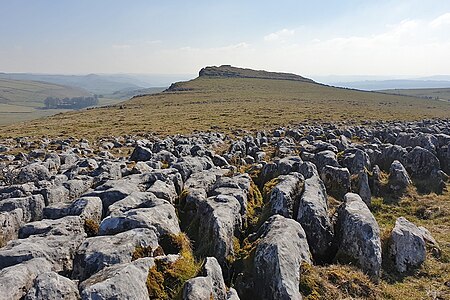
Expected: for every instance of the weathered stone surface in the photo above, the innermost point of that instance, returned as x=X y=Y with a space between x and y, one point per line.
x=160 y=217
x=313 y=216
x=325 y=158
x=51 y=286
x=188 y=165
x=98 y=252
x=355 y=160
x=358 y=236
x=141 y=153
x=364 y=188
x=59 y=250
x=164 y=190
x=285 y=194
x=398 y=177
x=219 y=219
x=420 y=163
x=278 y=256
x=406 y=245
x=10 y=223
x=55 y=194
x=336 y=180
x=70 y=225
x=16 y=280
x=32 y=207
x=88 y=208
x=33 y=172
x=132 y=201
x=121 y=281
x=210 y=285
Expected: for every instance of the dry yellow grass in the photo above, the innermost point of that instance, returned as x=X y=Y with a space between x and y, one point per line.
x=230 y=103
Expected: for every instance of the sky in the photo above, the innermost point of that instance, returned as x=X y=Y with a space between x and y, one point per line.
x=335 y=37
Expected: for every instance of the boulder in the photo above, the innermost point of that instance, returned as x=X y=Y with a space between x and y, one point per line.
x=313 y=216
x=55 y=194
x=420 y=163
x=406 y=246
x=132 y=201
x=281 y=249
x=325 y=158
x=88 y=208
x=210 y=285
x=364 y=188
x=96 y=253
x=70 y=225
x=219 y=221
x=398 y=177
x=160 y=217
x=59 y=250
x=51 y=286
x=16 y=280
x=121 y=281
x=336 y=180
x=141 y=153
x=10 y=223
x=32 y=206
x=32 y=173
x=284 y=195
x=358 y=236
x=355 y=160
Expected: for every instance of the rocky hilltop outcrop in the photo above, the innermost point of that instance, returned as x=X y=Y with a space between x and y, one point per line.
x=230 y=71
x=159 y=218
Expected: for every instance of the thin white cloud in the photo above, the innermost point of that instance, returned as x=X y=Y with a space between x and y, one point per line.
x=280 y=35
x=442 y=20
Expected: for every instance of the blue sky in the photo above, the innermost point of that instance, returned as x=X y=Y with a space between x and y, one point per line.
x=350 y=37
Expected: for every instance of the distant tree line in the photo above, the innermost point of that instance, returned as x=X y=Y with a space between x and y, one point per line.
x=70 y=103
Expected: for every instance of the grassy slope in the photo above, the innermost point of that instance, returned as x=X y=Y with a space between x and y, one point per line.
x=443 y=94
x=20 y=100
x=228 y=103
x=33 y=93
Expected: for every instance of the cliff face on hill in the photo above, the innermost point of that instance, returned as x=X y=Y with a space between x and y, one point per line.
x=229 y=71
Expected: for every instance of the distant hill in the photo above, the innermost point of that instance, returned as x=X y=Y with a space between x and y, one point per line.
x=96 y=84
x=373 y=85
x=437 y=94
x=222 y=100
x=102 y=84
x=33 y=93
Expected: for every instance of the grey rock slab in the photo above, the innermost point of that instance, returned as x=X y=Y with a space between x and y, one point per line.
x=399 y=179
x=98 y=252
x=358 y=236
x=16 y=280
x=161 y=218
x=220 y=219
x=52 y=286
x=208 y=286
x=132 y=201
x=70 y=225
x=313 y=216
x=10 y=223
x=32 y=206
x=32 y=173
x=336 y=180
x=285 y=194
x=406 y=245
x=122 y=281
x=281 y=249
x=59 y=250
